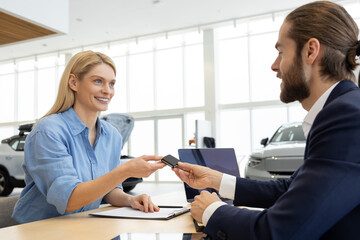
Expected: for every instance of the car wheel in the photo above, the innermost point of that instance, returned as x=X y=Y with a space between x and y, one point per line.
x=5 y=186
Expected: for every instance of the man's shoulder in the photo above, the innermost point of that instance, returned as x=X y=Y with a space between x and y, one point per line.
x=346 y=91
x=341 y=116
x=348 y=101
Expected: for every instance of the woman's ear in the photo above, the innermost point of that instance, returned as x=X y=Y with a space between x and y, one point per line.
x=73 y=82
x=312 y=49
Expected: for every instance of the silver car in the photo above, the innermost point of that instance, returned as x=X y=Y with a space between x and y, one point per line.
x=11 y=159
x=281 y=156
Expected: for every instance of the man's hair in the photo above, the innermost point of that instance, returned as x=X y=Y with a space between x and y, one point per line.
x=336 y=31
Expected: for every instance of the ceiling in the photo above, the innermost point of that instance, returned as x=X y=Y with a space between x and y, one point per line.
x=93 y=21
x=13 y=29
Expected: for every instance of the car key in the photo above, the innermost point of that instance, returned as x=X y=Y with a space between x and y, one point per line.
x=170 y=160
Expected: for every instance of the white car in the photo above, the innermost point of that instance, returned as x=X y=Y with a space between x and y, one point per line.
x=11 y=159
x=281 y=156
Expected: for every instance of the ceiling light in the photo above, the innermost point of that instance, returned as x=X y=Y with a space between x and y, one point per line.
x=157 y=2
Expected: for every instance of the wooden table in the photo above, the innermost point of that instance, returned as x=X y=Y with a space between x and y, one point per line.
x=83 y=226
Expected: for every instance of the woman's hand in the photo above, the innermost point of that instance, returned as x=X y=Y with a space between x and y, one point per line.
x=143 y=203
x=87 y=192
x=142 y=166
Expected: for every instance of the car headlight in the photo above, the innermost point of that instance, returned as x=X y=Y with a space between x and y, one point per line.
x=253 y=162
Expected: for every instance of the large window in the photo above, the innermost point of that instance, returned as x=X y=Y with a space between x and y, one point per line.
x=47 y=82
x=169 y=141
x=119 y=101
x=235 y=130
x=169 y=79
x=162 y=83
x=249 y=90
x=264 y=84
x=141 y=89
x=27 y=89
x=234 y=70
x=7 y=99
x=157 y=79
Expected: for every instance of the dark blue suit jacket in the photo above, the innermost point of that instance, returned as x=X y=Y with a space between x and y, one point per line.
x=322 y=198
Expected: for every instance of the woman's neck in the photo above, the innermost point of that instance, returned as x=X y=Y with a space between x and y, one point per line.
x=89 y=118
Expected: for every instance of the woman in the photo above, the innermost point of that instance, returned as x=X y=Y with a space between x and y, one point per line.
x=71 y=156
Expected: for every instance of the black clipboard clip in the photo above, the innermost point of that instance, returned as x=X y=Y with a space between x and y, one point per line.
x=180 y=211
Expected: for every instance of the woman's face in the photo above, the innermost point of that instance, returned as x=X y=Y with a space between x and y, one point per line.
x=94 y=92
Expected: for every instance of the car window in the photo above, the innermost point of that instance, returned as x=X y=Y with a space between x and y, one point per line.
x=14 y=145
x=289 y=134
x=18 y=145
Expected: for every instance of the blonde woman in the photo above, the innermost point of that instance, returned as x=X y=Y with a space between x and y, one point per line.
x=71 y=156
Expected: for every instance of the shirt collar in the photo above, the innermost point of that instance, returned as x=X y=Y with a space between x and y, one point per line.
x=315 y=109
x=76 y=125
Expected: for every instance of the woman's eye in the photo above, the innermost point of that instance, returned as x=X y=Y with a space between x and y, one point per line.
x=97 y=81
x=112 y=84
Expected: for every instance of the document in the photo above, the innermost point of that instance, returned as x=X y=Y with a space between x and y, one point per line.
x=152 y=236
x=128 y=212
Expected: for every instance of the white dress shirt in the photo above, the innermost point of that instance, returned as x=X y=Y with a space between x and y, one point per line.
x=315 y=109
x=228 y=182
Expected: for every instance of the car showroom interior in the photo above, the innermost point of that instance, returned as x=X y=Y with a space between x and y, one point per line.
x=194 y=80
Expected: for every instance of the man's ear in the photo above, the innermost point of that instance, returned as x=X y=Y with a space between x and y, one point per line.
x=73 y=82
x=312 y=50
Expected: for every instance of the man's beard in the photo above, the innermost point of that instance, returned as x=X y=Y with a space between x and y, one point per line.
x=295 y=87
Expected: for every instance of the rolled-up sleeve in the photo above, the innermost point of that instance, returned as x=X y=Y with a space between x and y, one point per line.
x=51 y=166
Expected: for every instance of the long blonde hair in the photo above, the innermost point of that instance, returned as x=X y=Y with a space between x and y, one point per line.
x=79 y=65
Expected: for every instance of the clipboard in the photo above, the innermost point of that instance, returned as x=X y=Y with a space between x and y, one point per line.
x=128 y=212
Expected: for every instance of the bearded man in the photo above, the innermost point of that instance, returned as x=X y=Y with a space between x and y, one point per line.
x=317 y=45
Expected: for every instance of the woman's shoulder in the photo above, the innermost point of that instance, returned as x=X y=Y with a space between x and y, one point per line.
x=108 y=128
x=50 y=124
x=111 y=132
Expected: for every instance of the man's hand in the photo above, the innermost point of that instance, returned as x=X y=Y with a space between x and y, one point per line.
x=198 y=177
x=143 y=203
x=142 y=167
x=201 y=202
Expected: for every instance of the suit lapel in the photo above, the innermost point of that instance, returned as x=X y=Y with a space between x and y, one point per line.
x=342 y=88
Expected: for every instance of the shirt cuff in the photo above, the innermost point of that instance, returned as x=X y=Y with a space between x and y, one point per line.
x=209 y=211
x=227 y=186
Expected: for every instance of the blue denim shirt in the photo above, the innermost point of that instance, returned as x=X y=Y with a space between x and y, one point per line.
x=58 y=156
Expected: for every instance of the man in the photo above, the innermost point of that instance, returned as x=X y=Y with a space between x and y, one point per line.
x=317 y=46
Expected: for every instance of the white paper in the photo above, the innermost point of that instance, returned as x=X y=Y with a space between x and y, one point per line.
x=128 y=212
